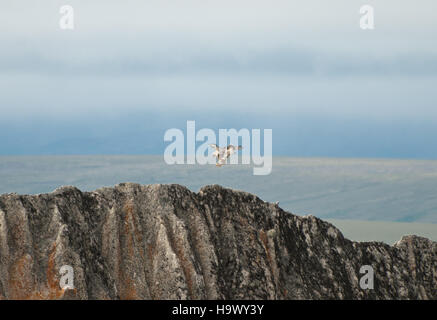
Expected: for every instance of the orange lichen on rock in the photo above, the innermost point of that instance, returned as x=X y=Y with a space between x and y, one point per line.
x=128 y=290
x=54 y=289
x=21 y=282
x=23 y=286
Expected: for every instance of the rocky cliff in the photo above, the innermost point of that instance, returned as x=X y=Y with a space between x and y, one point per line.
x=166 y=242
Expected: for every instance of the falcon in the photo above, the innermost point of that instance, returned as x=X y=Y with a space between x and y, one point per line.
x=222 y=154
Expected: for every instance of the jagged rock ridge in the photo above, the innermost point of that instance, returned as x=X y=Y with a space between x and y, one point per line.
x=166 y=242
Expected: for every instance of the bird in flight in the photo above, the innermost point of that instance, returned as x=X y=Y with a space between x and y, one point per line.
x=222 y=154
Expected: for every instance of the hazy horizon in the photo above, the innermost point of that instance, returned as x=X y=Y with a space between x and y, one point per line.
x=131 y=70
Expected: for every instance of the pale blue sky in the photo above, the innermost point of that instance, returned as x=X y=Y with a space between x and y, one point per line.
x=132 y=69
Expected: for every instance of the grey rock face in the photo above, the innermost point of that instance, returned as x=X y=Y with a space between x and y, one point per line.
x=166 y=242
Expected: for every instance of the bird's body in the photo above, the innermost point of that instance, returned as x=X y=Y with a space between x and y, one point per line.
x=218 y=152
x=222 y=154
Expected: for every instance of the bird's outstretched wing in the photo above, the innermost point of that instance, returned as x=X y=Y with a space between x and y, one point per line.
x=218 y=152
x=231 y=149
x=222 y=154
x=230 y=146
